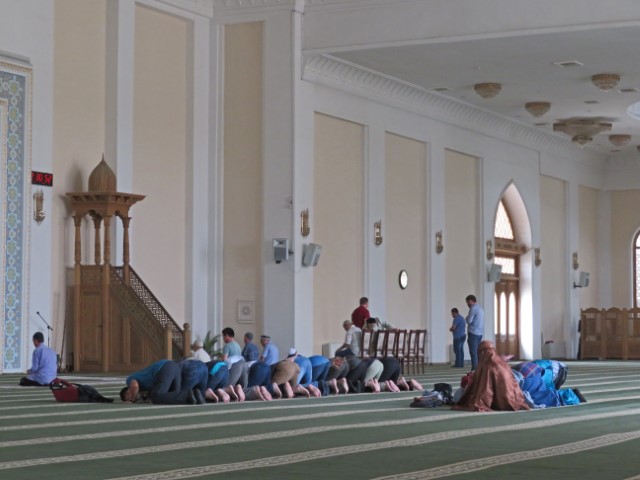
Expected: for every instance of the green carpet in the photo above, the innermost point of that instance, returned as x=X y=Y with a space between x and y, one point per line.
x=367 y=436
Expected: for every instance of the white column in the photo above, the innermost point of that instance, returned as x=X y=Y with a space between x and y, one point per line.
x=278 y=213
x=197 y=274
x=375 y=286
x=303 y=125
x=215 y=178
x=438 y=335
x=572 y=294
x=119 y=102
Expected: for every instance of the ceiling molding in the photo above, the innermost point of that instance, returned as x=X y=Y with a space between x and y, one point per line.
x=199 y=7
x=340 y=74
x=224 y=5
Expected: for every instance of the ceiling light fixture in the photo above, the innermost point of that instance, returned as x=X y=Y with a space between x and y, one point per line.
x=605 y=81
x=487 y=90
x=537 y=109
x=581 y=130
x=619 y=140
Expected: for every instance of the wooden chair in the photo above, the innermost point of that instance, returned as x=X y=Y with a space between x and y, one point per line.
x=390 y=343
x=408 y=350
x=366 y=343
x=399 y=347
x=381 y=343
x=417 y=356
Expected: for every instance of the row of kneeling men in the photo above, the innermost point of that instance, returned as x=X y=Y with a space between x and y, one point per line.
x=195 y=382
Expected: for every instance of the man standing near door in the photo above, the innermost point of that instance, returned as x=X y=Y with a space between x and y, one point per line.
x=475 y=328
x=459 y=336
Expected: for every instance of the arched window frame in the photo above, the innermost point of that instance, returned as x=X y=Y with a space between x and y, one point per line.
x=508 y=248
x=636 y=265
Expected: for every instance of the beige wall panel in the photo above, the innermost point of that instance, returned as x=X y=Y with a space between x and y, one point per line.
x=460 y=233
x=625 y=222
x=242 y=276
x=78 y=126
x=554 y=263
x=337 y=221
x=404 y=232
x=588 y=249
x=160 y=156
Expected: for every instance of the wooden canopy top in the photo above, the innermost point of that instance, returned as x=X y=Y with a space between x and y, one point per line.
x=103 y=204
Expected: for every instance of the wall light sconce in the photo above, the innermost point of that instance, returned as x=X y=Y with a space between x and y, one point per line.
x=377 y=233
x=576 y=265
x=490 y=254
x=439 y=245
x=38 y=206
x=305 y=229
x=537 y=260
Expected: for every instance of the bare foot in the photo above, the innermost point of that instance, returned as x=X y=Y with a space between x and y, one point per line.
x=314 y=391
x=265 y=394
x=288 y=391
x=402 y=383
x=276 y=391
x=210 y=396
x=232 y=393
x=333 y=386
x=392 y=387
x=222 y=395
x=257 y=393
x=415 y=385
x=300 y=390
x=343 y=386
x=240 y=393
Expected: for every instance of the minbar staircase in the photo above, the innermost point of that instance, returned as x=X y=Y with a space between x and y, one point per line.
x=119 y=325
x=122 y=326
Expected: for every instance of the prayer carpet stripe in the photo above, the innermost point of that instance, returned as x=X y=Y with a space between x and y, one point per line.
x=307 y=431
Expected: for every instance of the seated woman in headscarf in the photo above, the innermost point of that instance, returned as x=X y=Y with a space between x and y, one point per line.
x=494 y=386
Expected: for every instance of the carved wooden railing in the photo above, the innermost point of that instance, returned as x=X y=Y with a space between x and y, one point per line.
x=139 y=290
x=610 y=333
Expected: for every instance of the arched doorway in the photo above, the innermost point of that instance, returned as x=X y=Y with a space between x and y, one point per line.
x=509 y=246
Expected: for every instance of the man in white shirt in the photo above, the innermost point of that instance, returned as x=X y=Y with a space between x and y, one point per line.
x=352 y=339
x=199 y=353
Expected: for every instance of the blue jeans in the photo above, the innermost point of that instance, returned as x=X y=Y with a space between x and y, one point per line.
x=473 y=342
x=458 y=349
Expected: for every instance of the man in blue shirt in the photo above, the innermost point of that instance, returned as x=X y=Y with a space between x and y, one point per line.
x=475 y=328
x=250 y=351
x=44 y=364
x=168 y=383
x=458 y=329
x=270 y=353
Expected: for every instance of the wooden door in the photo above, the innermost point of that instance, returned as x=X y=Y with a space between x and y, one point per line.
x=507 y=319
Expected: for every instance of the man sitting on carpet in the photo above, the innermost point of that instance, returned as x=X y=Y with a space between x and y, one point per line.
x=44 y=365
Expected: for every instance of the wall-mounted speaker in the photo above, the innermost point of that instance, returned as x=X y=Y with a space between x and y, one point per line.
x=311 y=255
x=495 y=273
x=280 y=249
x=583 y=280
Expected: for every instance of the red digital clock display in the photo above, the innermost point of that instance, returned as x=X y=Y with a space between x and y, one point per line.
x=42 y=178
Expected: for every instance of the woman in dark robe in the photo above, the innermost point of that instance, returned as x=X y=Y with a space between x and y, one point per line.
x=494 y=386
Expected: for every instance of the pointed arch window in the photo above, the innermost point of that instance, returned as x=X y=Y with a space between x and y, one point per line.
x=503 y=228
x=636 y=271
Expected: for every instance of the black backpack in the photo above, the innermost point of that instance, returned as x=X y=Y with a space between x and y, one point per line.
x=446 y=391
